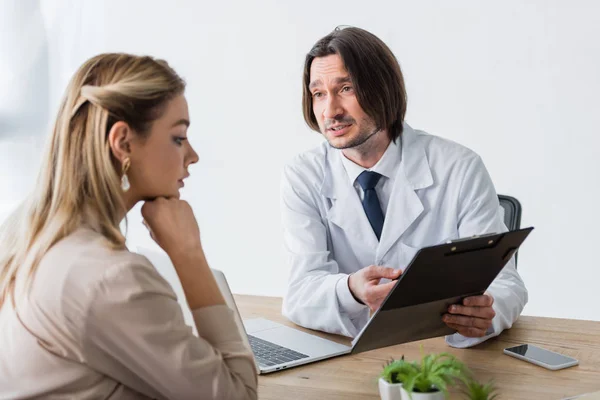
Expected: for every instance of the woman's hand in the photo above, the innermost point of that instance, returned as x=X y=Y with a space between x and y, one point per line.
x=172 y=225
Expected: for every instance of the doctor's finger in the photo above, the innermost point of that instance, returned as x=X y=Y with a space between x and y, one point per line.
x=467 y=331
x=481 y=312
x=377 y=272
x=484 y=300
x=380 y=291
x=467 y=321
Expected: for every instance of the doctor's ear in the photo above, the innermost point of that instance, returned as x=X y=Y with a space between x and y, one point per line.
x=120 y=137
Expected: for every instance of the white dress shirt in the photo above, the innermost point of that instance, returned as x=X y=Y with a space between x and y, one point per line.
x=386 y=167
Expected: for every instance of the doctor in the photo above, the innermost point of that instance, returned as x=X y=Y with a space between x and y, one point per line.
x=357 y=208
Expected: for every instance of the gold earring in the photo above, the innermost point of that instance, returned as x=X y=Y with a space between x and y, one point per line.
x=124 y=179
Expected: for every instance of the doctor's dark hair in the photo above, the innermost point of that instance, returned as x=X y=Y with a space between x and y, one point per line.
x=375 y=74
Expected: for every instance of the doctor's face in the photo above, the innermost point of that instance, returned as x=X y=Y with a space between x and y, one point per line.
x=335 y=105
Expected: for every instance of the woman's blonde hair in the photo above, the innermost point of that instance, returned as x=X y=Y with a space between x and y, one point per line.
x=79 y=179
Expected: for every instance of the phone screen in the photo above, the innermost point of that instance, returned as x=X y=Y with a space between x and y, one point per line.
x=539 y=354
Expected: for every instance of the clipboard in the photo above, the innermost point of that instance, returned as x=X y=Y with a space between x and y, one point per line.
x=437 y=277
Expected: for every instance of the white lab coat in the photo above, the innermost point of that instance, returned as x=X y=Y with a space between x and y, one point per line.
x=441 y=191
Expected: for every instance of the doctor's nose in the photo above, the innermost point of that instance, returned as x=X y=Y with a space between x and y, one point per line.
x=332 y=108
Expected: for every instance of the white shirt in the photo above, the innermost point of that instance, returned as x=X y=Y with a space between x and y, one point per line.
x=386 y=167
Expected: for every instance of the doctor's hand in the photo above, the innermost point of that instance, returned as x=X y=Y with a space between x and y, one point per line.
x=364 y=284
x=473 y=317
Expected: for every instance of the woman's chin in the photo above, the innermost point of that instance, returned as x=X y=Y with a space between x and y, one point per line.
x=174 y=193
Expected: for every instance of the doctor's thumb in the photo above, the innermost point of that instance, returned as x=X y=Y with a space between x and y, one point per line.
x=392 y=273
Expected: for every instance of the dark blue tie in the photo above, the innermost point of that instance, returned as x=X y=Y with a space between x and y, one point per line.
x=367 y=180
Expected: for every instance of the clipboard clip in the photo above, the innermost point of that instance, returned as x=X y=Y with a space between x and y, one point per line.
x=471 y=237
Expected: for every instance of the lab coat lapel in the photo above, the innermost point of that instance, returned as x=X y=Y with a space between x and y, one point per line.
x=405 y=206
x=346 y=210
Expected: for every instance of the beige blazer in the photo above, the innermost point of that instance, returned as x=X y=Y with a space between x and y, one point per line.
x=103 y=324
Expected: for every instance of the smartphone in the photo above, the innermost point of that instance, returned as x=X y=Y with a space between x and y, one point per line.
x=542 y=357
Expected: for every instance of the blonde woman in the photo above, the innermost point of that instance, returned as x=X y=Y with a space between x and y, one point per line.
x=81 y=316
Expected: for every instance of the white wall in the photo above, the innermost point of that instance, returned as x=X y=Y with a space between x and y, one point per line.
x=41 y=44
x=515 y=81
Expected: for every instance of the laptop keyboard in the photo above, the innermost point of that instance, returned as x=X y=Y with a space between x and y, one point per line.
x=268 y=354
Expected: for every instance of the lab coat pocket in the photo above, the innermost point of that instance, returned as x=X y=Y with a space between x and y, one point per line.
x=399 y=258
x=405 y=255
x=406 y=252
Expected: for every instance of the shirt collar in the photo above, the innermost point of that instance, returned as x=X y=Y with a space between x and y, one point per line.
x=386 y=165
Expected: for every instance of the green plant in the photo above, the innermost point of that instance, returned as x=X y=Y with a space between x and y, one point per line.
x=396 y=371
x=435 y=372
x=475 y=390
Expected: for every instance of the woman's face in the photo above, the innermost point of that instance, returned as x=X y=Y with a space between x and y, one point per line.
x=160 y=161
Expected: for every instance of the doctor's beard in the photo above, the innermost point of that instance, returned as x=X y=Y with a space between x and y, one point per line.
x=366 y=132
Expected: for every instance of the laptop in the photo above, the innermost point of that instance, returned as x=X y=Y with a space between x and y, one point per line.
x=275 y=346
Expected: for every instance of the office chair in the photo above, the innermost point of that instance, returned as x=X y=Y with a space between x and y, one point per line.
x=512 y=214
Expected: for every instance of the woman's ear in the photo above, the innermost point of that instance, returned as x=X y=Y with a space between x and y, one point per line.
x=119 y=140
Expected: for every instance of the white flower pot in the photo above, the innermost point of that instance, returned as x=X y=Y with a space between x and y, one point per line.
x=422 y=396
x=389 y=391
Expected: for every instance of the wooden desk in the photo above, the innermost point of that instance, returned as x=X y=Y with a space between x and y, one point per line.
x=355 y=376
